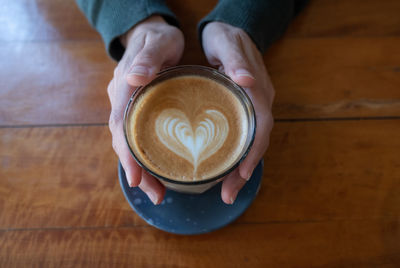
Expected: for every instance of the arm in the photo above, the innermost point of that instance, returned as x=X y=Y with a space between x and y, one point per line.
x=113 y=18
x=232 y=36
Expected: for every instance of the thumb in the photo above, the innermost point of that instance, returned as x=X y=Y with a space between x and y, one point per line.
x=234 y=62
x=146 y=64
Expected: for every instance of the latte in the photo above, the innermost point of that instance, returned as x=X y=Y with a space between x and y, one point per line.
x=187 y=128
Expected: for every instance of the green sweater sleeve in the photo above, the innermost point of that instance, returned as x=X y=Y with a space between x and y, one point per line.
x=263 y=20
x=112 y=18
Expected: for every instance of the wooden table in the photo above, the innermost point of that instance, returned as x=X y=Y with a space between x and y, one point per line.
x=330 y=195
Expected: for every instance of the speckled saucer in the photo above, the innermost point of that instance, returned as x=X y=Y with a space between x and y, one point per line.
x=191 y=213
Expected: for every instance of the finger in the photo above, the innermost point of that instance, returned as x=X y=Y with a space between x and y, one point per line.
x=231 y=187
x=118 y=96
x=152 y=187
x=233 y=58
x=260 y=145
x=148 y=62
x=132 y=169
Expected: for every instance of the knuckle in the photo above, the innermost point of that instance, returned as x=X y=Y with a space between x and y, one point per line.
x=114 y=121
x=116 y=70
x=268 y=116
x=271 y=90
x=270 y=121
x=144 y=57
x=265 y=122
x=110 y=87
x=154 y=35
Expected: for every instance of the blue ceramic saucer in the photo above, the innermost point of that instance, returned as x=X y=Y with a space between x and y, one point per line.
x=191 y=213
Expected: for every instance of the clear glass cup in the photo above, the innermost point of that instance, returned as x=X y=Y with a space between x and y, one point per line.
x=198 y=186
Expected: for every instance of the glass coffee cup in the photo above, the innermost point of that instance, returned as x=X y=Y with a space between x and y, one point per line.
x=189 y=127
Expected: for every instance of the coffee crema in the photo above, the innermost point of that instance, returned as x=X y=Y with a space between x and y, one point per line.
x=187 y=128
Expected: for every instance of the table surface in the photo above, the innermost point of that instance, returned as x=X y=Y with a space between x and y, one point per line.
x=330 y=191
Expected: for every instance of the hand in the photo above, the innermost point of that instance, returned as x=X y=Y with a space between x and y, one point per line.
x=232 y=50
x=151 y=46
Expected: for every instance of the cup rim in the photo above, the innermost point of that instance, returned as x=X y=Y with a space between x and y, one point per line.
x=213 y=71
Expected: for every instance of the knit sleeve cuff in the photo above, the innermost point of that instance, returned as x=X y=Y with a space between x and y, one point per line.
x=263 y=20
x=114 y=18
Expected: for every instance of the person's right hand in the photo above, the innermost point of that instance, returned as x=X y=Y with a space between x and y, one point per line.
x=151 y=46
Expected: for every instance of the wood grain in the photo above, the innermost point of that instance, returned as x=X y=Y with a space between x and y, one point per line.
x=335 y=77
x=55 y=20
x=314 y=77
x=43 y=20
x=54 y=83
x=330 y=18
x=189 y=14
x=338 y=77
x=330 y=170
x=315 y=171
x=329 y=196
x=366 y=243
x=64 y=176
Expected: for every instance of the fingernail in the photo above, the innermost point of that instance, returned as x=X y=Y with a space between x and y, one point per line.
x=153 y=197
x=247 y=176
x=243 y=72
x=139 y=70
x=128 y=178
x=233 y=197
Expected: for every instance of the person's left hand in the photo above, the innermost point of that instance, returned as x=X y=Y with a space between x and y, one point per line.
x=232 y=50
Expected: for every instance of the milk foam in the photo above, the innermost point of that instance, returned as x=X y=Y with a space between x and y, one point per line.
x=193 y=141
x=187 y=128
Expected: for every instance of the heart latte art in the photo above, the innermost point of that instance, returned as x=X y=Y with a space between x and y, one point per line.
x=187 y=128
x=193 y=142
